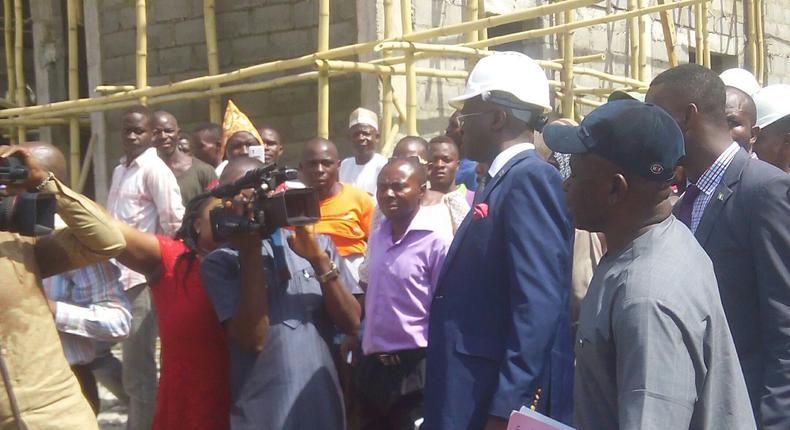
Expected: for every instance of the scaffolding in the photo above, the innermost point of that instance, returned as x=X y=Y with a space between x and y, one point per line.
x=398 y=56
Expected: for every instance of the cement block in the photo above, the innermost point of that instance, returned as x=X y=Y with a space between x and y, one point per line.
x=287 y=44
x=119 y=70
x=171 y=10
x=127 y=16
x=109 y=21
x=305 y=13
x=247 y=50
x=119 y=43
x=225 y=54
x=190 y=32
x=273 y=18
x=342 y=33
x=231 y=25
x=173 y=60
x=199 y=58
x=161 y=36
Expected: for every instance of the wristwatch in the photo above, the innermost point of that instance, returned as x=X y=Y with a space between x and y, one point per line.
x=329 y=276
x=40 y=187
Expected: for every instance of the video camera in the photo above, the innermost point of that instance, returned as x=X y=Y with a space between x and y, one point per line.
x=293 y=207
x=29 y=214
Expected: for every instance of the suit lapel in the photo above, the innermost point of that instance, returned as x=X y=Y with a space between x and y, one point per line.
x=720 y=196
x=460 y=235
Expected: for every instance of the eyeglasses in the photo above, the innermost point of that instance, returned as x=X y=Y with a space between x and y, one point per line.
x=460 y=118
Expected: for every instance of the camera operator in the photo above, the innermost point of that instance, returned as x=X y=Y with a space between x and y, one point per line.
x=279 y=299
x=39 y=389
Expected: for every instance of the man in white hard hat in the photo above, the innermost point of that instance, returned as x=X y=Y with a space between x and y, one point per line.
x=499 y=331
x=741 y=79
x=773 y=120
x=362 y=170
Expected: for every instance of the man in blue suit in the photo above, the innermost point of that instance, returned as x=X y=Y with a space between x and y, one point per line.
x=739 y=210
x=499 y=332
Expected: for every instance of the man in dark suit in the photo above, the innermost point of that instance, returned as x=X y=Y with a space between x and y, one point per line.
x=499 y=332
x=739 y=211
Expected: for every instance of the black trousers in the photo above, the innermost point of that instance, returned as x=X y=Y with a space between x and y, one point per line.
x=389 y=388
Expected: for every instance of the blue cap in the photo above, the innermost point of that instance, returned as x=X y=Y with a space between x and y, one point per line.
x=639 y=137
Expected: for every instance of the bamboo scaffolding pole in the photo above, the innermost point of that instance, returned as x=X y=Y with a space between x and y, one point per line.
x=86 y=166
x=644 y=32
x=705 y=43
x=668 y=27
x=482 y=34
x=759 y=30
x=699 y=44
x=632 y=23
x=411 y=94
x=429 y=48
x=142 y=49
x=305 y=60
x=592 y=58
x=212 y=56
x=567 y=68
x=323 y=71
x=389 y=144
x=74 y=92
x=751 y=28
x=471 y=14
x=7 y=103
x=37 y=122
x=113 y=88
x=8 y=31
x=530 y=34
x=405 y=17
x=19 y=64
x=386 y=81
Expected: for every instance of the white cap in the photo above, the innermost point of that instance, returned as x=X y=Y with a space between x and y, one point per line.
x=363 y=116
x=773 y=104
x=741 y=79
x=513 y=76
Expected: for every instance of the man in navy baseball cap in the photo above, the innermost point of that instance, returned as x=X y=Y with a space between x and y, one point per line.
x=640 y=138
x=653 y=299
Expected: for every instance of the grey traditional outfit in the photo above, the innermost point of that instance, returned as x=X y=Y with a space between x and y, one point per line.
x=292 y=384
x=653 y=349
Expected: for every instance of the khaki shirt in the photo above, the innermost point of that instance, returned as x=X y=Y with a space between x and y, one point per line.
x=47 y=393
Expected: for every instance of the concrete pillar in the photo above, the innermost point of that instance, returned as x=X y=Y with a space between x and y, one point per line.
x=95 y=78
x=49 y=39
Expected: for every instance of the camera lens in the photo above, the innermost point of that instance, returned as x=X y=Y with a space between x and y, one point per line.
x=12 y=170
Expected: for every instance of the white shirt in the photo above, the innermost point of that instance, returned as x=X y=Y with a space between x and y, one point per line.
x=145 y=195
x=364 y=176
x=220 y=168
x=506 y=155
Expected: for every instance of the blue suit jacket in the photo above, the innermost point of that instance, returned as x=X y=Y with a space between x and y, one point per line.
x=499 y=324
x=745 y=229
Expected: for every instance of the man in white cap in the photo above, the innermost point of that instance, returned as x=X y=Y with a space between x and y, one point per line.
x=741 y=79
x=499 y=331
x=773 y=119
x=362 y=170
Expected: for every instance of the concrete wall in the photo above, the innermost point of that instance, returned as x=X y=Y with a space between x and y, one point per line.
x=249 y=32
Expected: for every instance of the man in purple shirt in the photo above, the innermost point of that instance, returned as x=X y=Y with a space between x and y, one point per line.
x=407 y=252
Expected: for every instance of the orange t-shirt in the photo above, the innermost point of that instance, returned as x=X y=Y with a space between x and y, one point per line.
x=346 y=219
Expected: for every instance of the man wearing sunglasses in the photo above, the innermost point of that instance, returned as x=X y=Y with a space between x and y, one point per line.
x=499 y=332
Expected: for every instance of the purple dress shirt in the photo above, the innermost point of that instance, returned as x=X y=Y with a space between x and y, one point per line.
x=402 y=277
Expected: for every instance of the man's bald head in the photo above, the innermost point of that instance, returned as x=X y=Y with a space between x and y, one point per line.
x=165 y=133
x=237 y=167
x=411 y=146
x=319 y=145
x=319 y=166
x=49 y=157
x=741 y=117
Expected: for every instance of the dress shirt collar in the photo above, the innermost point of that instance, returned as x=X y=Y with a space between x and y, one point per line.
x=142 y=158
x=709 y=180
x=421 y=222
x=506 y=155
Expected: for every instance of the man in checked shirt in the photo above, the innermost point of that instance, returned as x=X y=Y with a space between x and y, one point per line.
x=88 y=304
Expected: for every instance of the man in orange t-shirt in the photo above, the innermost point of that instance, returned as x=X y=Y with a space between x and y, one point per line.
x=346 y=211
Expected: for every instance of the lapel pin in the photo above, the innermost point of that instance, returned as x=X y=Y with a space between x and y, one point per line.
x=720 y=196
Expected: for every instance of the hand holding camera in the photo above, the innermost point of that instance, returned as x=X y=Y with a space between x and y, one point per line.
x=19 y=171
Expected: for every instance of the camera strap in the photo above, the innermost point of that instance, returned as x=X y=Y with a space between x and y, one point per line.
x=20 y=425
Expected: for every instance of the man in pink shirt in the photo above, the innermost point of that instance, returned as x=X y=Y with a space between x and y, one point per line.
x=145 y=195
x=407 y=252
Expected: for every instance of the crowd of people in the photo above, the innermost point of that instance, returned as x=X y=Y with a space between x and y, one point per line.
x=628 y=272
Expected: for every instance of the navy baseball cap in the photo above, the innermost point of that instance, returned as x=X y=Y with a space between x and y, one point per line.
x=639 y=137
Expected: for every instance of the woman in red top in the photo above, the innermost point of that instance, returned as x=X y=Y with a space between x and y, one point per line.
x=194 y=391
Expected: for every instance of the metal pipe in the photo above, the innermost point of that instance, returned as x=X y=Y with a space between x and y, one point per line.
x=212 y=56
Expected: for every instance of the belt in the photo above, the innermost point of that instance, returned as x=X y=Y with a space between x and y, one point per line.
x=398 y=357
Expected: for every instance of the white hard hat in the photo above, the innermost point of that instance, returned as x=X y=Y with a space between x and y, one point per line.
x=510 y=74
x=773 y=104
x=741 y=79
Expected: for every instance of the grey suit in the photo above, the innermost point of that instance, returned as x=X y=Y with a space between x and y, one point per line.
x=745 y=229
